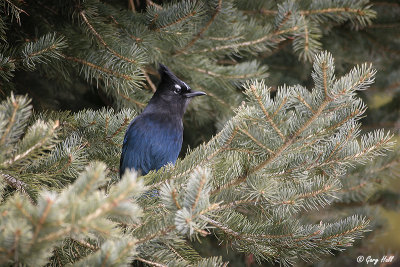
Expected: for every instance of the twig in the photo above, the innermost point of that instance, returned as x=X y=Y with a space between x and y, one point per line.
x=131 y=5
x=285 y=145
x=11 y=121
x=101 y=40
x=266 y=113
x=150 y=262
x=152 y=86
x=151 y=3
x=85 y=244
x=200 y=33
x=100 y=68
x=248 y=43
x=15 y=183
x=172 y=23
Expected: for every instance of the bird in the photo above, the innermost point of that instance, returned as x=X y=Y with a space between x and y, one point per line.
x=154 y=138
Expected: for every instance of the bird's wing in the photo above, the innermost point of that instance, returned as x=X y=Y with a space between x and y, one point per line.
x=128 y=149
x=134 y=151
x=149 y=145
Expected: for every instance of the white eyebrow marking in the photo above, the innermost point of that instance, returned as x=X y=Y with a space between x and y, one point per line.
x=177 y=86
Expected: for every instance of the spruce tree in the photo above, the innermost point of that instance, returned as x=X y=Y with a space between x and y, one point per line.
x=277 y=171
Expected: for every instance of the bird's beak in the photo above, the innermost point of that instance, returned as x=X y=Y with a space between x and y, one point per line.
x=194 y=93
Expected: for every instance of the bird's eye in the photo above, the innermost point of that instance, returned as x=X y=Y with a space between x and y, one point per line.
x=178 y=89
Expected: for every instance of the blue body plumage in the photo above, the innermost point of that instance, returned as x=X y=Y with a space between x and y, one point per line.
x=150 y=143
x=154 y=138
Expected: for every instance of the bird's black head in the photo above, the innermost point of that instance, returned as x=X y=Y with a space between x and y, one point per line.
x=172 y=91
x=172 y=85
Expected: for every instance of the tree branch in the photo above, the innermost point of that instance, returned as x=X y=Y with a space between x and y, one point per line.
x=101 y=40
x=201 y=32
x=247 y=43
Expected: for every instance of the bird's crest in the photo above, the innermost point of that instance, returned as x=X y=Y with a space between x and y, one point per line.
x=166 y=73
x=169 y=81
x=172 y=83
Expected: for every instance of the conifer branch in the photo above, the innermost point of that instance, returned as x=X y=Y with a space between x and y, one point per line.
x=306 y=40
x=339 y=145
x=191 y=14
x=248 y=43
x=24 y=212
x=263 y=11
x=240 y=150
x=55 y=235
x=324 y=75
x=39 y=224
x=214 y=74
x=359 y=12
x=131 y=5
x=46 y=139
x=85 y=244
x=152 y=263
x=120 y=128
x=175 y=252
x=266 y=113
x=233 y=233
x=124 y=96
x=388 y=165
x=269 y=12
x=212 y=207
x=149 y=2
x=201 y=32
x=152 y=86
x=170 y=228
x=101 y=40
x=304 y=102
x=285 y=145
x=153 y=20
x=17 y=11
x=199 y=190
x=283 y=102
x=89 y=183
x=109 y=206
x=326 y=188
x=102 y=69
x=266 y=236
x=204 y=161
x=380 y=144
x=236 y=203
x=11 y=121
x=358 y=186
x=40 y=52
x=227 y=230
x=106 y=127
x=318 y=232
x=162 y=232
x=225 y=39
x=256 y=141
x=137 y=39
x=217 y=98
x=285 y=19
x=174 y=195
x=352 y=115
x=354 y=229
x=15 y=183
x=209 y=158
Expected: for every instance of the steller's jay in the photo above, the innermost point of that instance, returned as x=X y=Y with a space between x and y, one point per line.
x=154 y=138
